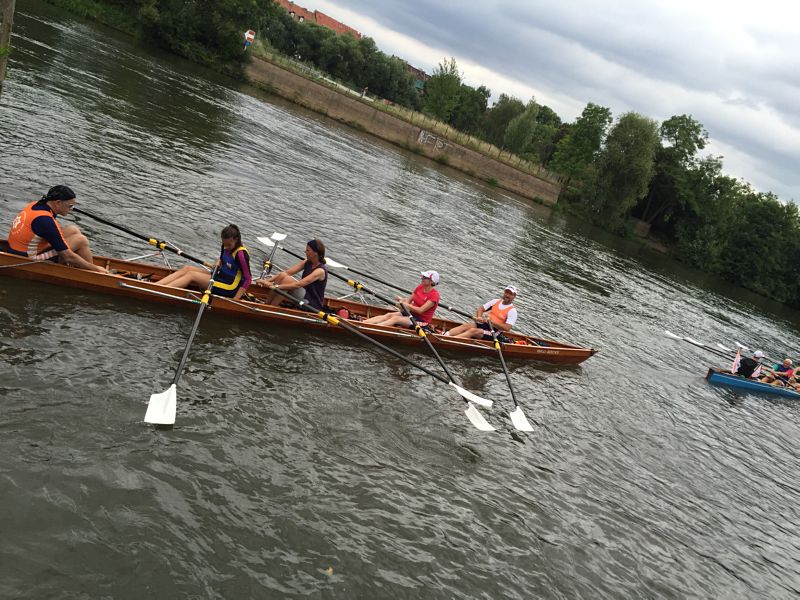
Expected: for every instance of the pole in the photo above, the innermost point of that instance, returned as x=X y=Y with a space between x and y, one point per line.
x=7 y=18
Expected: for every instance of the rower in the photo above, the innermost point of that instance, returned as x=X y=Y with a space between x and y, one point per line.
x=778 y=374
x=35 y=232
x=422 y=304
x=313 y=278
x=500 y=312
x=747 y=366
x=233 y=273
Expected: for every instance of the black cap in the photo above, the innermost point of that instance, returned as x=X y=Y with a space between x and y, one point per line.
x=59 y=192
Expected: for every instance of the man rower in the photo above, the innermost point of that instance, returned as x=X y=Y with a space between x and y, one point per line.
x=500 y=312
x=778 y=374
x=35 y=232
x=748 y=366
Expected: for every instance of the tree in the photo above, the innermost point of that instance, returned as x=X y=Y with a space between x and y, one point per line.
x=670 y=190
x=498 y=118
x=442 y=90
x=470 y=108
x=519 y=132
x=624 y=168
x=576 y=151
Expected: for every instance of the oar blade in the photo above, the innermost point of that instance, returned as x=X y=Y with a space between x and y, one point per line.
x=693 y=341
x=669 y=334
x=471 y=397
x=477 y=419
x=278 y=237
x=266 y=241
x=721 y=347
x=162 y=407
x=334 y=264
x=519 y=420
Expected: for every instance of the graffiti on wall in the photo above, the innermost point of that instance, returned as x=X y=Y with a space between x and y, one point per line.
x=428 y=138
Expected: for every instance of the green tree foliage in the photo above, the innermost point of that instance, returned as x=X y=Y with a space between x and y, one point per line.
x=576 y=151
x=624 y=168
x=470 y=108
x=545 y=136
x=442 y=90
x=671 y=189
x=520 y=130
x=498 y=118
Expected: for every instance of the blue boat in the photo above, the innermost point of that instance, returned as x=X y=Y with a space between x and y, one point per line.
x=751 y=385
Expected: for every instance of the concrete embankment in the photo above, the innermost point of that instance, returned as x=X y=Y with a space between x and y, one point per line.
x=360 y=114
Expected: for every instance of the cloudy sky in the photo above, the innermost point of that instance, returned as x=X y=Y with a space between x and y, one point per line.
x=733 y=65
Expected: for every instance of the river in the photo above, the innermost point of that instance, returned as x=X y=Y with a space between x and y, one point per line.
x=306 y=466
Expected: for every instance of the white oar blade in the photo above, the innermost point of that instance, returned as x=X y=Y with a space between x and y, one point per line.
x=477 y=419
x=693 y=341
x=519 y=420
x=278 y=237
x=332 y=263
x=266 y=241
x=471 y=397
x=669 y=334
x=741 y=346
x=721 y=347
x=162 y=407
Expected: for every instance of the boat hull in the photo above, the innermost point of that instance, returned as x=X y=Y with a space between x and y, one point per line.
x=718 y=377
x=129 y=285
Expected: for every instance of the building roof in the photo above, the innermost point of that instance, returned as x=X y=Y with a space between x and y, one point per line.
x=318 y=17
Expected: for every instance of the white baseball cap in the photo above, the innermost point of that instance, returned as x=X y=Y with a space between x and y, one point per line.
x=511 y=289
x=758 y=354
x=432 y=275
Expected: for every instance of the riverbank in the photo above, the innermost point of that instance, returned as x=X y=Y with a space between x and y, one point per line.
x=415 y=134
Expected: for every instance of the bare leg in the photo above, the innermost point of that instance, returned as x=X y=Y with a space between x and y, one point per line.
x=77 y=242
x=275 y=298
x=379 y=319
x=186 y=276
x=459 y=329
x=393 y=319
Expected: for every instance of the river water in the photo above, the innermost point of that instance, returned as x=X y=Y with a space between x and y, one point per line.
x=317 y=467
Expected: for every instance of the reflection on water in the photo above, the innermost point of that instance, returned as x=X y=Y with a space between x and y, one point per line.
x=316 y=466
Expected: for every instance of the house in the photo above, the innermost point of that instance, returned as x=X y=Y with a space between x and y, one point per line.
x=304 y=15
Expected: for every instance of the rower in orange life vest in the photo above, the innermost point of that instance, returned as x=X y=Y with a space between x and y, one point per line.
x=233 y=276
x=500 y=310
x=35 y=232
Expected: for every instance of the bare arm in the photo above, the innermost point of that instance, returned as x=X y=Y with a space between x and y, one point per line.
x=68 y=257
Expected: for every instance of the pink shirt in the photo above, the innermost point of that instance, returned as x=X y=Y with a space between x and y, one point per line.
x=419 y=297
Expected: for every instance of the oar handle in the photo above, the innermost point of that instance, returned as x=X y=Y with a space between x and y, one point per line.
x=161 y=245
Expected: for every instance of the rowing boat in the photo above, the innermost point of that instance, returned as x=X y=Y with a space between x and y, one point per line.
x=140 y=280
x=719 y=377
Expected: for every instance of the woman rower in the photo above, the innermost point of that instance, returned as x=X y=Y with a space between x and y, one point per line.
x=313 y=278
x=233 y=275
x=422 y=303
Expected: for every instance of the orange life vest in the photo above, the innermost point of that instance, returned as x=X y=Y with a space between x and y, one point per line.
x=22 y=238
x=501 y=316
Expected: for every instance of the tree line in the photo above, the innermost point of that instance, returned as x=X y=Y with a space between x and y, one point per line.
x=612 y=170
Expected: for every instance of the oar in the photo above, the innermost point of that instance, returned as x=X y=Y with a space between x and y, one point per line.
x=161 y=245
x=421 y=333
x=472 y=413
x=162 y=406
x=270 y=241
x=337 y=265
x=695 y=343
x=517 y=416
x=417 y=328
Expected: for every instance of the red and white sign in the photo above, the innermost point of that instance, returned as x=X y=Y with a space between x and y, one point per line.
x=249 y=36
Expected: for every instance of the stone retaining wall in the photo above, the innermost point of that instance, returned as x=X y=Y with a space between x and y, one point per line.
x=358 y=113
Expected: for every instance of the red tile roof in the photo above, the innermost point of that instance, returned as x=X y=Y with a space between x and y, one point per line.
x=318 y=17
